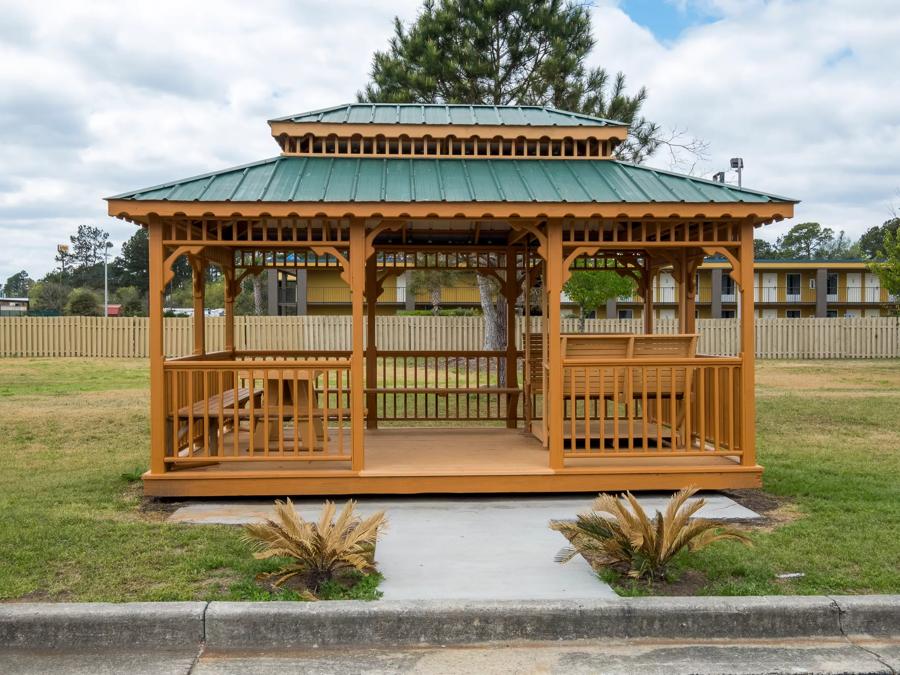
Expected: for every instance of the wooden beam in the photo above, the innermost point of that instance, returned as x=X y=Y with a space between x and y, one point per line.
x=198 y=287
x=511 y=292
x=373 y=290
x=748 y=350
x=157 y=348
x=759 y=212
x=553 y=399
x=355 y=269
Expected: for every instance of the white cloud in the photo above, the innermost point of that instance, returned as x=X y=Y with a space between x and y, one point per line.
x=104 y=96
x=805 y=91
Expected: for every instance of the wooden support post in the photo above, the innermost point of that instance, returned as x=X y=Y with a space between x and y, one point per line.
x=748 y=349
x=357 y=274
x=157 y=348
x=511 y=291
x=553 y=399
x=647 y=295
x=690 y=300
x=230 y=293
x=198 y=284
x=371 y=354
x=682 y=290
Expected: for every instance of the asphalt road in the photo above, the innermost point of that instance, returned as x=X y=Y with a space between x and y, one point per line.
x=575 y=657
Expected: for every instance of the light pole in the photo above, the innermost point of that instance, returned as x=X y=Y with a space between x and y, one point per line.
x=107 y=245
x=737 y=163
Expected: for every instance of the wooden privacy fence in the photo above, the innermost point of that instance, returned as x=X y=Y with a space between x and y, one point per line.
x=128 y=337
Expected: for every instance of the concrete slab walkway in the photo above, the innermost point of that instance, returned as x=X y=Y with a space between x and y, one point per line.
x=467 y=548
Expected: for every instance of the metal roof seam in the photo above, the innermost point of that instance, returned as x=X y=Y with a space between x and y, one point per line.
x=297 y=180
x=412 y=182
x=552 y=182
x=239 y=183
x=209 y=182
x=383 y=190
x=604 y=180
x=497 y=185
x=637 y=185
x=440 y=181
x=271 y=177
x=665 y=187
x=469 y=185
x=567 y=164
x=354 y=187
x=522 y=178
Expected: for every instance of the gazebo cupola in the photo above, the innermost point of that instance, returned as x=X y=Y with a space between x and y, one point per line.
x=414 y=130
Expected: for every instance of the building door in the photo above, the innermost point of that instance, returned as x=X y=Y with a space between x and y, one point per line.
x=665 y=288
x=873 y=288
x=854 y=287
x=769 y=287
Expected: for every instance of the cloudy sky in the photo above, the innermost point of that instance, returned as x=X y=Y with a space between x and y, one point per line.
x=97 y=97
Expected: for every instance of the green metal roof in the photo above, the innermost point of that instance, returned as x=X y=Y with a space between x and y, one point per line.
x=348 y=179
x=434 y=113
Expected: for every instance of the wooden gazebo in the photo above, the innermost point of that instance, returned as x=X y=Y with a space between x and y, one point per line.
x=522 y=194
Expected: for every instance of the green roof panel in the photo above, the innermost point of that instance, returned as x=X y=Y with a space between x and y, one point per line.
x=351 y=179
x=440 y=113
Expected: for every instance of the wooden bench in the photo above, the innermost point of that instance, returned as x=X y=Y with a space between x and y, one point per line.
x=205 y=412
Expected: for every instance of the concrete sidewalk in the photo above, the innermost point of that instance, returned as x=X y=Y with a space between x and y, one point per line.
x=468 y=548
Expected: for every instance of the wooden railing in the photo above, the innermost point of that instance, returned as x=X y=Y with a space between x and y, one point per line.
x=427 y=386
x=255 y=408
x=652 y=407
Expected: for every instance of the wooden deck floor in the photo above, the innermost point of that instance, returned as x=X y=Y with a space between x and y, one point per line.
x=452 y=460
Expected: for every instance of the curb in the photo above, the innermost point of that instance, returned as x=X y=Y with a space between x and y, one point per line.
x=134 y=625
x=284 y=625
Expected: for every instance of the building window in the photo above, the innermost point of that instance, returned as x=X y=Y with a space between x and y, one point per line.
x=728 y=314
x=626 y=313
x=727 y=288
x=792 y=313
x=793 y=287
x=831 y=286
x=831 y=313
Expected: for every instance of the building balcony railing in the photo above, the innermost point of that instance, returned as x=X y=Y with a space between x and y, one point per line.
x=784 y=294
x=341 y=295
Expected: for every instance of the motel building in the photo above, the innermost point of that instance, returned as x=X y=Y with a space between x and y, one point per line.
x=783 y=289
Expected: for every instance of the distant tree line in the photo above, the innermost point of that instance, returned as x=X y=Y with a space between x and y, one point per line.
x=811 y=241
x=75 y=285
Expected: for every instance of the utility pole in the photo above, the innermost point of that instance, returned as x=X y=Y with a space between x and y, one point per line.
x=106 y=246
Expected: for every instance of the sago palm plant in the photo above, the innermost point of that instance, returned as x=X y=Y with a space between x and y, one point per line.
x=321 y=551
x=618 y=534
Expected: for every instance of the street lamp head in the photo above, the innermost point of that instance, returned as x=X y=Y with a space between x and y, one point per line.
x=737 y=162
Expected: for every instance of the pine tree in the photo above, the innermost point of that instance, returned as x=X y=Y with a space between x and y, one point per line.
x=506 y=52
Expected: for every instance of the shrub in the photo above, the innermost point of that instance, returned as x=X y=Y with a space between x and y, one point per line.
x=83 y=302
x=619 y=535
x=321 y=551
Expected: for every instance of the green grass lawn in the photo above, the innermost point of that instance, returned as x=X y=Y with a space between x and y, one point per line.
x=74 y=528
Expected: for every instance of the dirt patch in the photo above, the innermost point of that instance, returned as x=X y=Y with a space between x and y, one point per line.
x=776 y=510
x=156 y=509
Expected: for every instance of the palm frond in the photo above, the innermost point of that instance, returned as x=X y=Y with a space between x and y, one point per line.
x=618 y=533
x=319 y=550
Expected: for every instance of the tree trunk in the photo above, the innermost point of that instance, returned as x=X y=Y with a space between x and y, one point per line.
x=258 y=295
x=493 y=307
x=436 y=300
